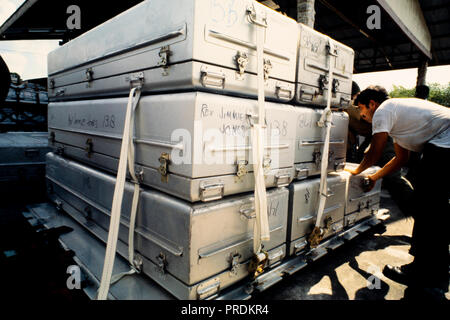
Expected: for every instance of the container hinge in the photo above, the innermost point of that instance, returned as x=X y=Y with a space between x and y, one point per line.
x=211 y=192
x=161 y=263
x=242 y=62
x=208 y=288
x=234 y=262
x=241 y=168
x=267 y=68
x=89 y=147
x=164 y=55
x=164 y=160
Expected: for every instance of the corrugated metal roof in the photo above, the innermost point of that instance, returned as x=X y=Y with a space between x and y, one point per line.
x=376 y=50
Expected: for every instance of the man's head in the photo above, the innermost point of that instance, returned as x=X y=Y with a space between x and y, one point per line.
x=369 y=100
x=355 y=90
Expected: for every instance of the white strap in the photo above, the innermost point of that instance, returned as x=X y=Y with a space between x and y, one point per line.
x=325 y=120
x=113 y=232
x=261 y=230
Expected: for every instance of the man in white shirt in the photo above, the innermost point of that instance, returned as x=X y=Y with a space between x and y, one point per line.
x=420 y=126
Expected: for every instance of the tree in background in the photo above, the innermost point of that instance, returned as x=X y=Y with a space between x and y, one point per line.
x=438 y=93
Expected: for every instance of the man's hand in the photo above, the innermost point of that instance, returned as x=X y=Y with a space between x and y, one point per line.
x=369 y=183
x=352 y=171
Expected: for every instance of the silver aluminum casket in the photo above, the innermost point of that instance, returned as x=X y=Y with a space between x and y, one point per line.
x=194 y=145
x=184 y=246
x=179 y=45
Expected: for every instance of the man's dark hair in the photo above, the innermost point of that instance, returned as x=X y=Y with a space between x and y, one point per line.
x=375 y=93
x=422 y=92
x=355 y=88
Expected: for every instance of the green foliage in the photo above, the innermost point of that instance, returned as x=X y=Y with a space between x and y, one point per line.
x=438 y=93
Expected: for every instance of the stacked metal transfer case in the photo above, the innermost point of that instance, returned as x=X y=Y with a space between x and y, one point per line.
x=195 y=64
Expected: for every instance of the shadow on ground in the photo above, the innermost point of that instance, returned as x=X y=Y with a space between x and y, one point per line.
x=298 y=286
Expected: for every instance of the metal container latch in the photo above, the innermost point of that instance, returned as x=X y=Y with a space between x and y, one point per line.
x=323 y=83
x=267 y=68
x=242 y=61
x=241 y=168
x=161 y=263
x=234 y=262
x=164 y=160
x=52 y=137
x=317 y=157
x=164 y=55
x=89 y=75
x=59 y=205
x=89 y=147
x=336 y=85
x=266 y=165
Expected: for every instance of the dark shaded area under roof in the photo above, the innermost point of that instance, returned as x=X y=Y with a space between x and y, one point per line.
x=375 y=50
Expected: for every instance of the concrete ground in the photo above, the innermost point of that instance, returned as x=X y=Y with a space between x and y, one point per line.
x=354 y=271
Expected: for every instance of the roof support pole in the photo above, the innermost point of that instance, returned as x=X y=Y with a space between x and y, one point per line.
x=305 y=12
x=422 y=90
x=422 y=73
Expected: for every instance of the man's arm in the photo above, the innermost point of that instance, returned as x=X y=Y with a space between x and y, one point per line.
x=374 y=153
x=401 y=157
